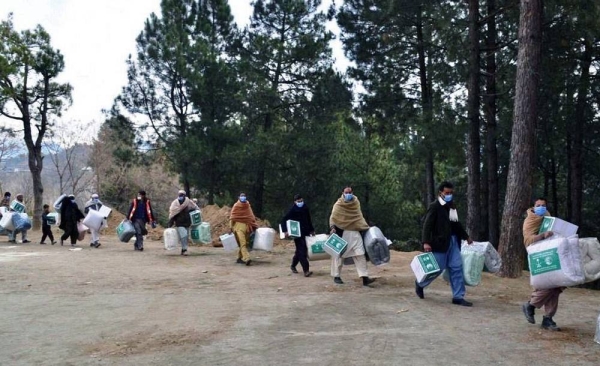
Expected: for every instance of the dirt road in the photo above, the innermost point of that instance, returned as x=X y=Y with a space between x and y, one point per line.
x=115 y=306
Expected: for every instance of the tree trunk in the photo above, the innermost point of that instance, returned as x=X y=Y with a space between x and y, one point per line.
x=427 y=108
x=554 y=173
x=522 y=151
x=576 y=157
x=474 y=141
x=491 y=137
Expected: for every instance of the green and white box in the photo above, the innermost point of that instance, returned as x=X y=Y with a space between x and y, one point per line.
x=293 y=228
x=315 y=245
x=424 y=266
x=558 y=226
x=196 y=217
x=195 y=234
x=335 y=246
x=17 y=206
x=52 y=218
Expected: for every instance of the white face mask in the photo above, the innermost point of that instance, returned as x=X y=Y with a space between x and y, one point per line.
x=140 y=198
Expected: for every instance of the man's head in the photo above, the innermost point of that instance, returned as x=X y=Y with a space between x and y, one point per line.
x=95 y=197
x=348 y=195
x=141 y=195
x=7 y=195
x=446 y=190
x=298 y=200
x=539 y=206
x=20 y=197
x=243 y=197
x=181 y=195
x=46 y=207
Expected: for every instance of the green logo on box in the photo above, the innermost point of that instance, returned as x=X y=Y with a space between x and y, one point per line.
x=428 y=263
x=195 y=234
x=546 y=224
x=317 y=248
x=544 y=261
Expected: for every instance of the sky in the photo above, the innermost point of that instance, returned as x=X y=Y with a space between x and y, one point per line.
x=96 y=37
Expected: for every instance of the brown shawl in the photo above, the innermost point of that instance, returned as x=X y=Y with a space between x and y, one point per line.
x=531 y=226
x=177 y=207
x=347 y=215
x=242 y=212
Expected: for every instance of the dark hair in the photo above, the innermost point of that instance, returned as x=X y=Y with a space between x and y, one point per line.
x=142 y=192
x=445 y=184
x=242 y=193
x=46 y=206
x=7 y=194
x=297 y=197
x=541 y=198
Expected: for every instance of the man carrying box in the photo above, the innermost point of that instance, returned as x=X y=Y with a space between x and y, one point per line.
x=441 y=234
x=547 y=298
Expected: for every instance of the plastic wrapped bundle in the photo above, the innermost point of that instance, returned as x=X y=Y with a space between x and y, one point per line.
x=82 y=229
x=590 y=252
x=263 y=240
x=555 y=262
x=7 y=221
x=125 y=231
x=597 y=337
x=171 y=238
x=493 y=262
x=315 y=245
x=376 y=246
x=229 y=242
x=94 y=220
x=21 y=222
x=472 y=262
x=205 y=233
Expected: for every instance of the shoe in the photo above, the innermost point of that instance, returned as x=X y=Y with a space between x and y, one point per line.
x=53 y=242
x=294 y=270
x=548 y=323
x=62 y=242
x=461 y=302
x=42 y=243
x=72 y=245
x=97 y=245
x=12 y=241
x=307 y=274
x=529 y=311
x=338 y=280
x=141 y=249
x=92 y=244
x=419 y=291
x=26 y=241
x=184 y=252
x=367 y=281
x=248 y=262
x=240 y=261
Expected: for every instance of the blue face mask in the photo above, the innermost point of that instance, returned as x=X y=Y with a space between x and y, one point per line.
x=348 y=197
x=299 y=204
x=448 y=198
x=242 y=198
x=540 y=210
x=181 y=198
x=95 y=200
x=73 y=201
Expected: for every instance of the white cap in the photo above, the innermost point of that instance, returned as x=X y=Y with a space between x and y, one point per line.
x=95 y=195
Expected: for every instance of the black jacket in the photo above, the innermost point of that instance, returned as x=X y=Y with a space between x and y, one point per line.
x=182 y=219
x=302 y=215
x=70 y=215
x=437 y=228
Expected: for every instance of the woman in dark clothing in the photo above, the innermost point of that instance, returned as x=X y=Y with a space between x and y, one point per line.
x=299 y=212
x=70 y=215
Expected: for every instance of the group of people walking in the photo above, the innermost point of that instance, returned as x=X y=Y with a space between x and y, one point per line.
x=441 y=235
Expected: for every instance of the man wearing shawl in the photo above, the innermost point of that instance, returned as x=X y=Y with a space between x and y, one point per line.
x=242 y=223
x=547 y=298
x=347 y=221
x=441 y=234
x=179 y=216
x=93 y=204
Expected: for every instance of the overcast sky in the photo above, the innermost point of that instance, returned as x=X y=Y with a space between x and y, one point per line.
x=96 y=37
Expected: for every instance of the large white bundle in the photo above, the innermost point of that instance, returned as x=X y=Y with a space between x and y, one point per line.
x=493 y=262
x=590 y=252
x=229 y=242
x=597 y=337
x=376 y=246
x=58 y=203
x=94 y=220
x=315 y=245
x=171 y=238
x=7 y=221
x=473 y=261
x=263 y=239
x=555 y=262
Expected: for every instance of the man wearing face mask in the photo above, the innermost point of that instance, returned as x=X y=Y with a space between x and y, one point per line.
x=442 y=233
x=94 y=204
x=347 y=221
x=179 y=216
x=299 y=212
x=13 y=234
x=242 y=223
x=547 y=298
x=140 y=213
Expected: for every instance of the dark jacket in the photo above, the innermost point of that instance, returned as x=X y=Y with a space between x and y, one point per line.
x=182 y=219
x=141 y=210
x=70 y=214
x=45 y=220
x=437 y=228
x=302 y=215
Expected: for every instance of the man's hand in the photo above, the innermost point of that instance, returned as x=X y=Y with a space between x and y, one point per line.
x=548 y=234
x=286 y=234
x=469 y=241
x=426 y=247
x=153 y=224
x=332 y=231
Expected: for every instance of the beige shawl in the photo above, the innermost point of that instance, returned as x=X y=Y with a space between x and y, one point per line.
x=347 y=215
x=177 y=207
x=531 y=226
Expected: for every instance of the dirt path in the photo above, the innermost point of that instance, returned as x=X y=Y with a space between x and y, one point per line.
x=115 y=306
